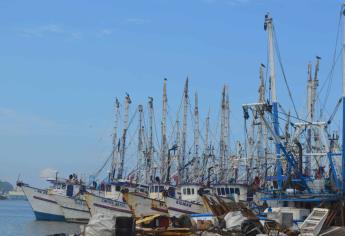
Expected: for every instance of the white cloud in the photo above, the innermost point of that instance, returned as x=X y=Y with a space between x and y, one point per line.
x=50 y=29
x=105 y=32
x=137 y=21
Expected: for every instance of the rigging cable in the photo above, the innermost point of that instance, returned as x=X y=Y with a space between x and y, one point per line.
x=334 y=111
x=283 y=71
x=331 y=73
x=104 y=164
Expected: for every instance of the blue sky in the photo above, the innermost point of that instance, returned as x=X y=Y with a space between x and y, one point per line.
x=63 y=62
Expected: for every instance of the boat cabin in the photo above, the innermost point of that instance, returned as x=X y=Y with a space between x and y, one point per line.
x=190 y=192
x=113 y=190
x=67 y=189
x=235 y=191
x=156 y=191
x=159 y=191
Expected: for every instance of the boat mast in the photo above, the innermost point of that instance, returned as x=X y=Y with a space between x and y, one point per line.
x=315 y=85
x=196 y=162
x=222 y=141
x=150 y=149
x=207 y=127
x=182 y=173
x=262 y=85
x=124 y=133
x=140 y=145
x=309 y=119
x=164 y=147
x=262 y=155
x=224 y=134
x=271 y=66
x=311 y=101
x=343 y=100
x=115 y=141
x=206 y=147
x=227 y=133
x=178 y=138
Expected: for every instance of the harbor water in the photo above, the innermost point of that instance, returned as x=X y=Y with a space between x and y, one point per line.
x=17 y=219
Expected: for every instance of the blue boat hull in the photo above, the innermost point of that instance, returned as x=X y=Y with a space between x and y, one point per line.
x=48 y=217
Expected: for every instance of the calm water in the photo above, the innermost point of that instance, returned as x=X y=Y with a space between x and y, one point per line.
x=17 y=218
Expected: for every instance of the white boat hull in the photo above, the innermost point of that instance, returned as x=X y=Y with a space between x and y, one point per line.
x=74 y=208
x=43 y=204
x=145 y=206
x=101 y=205
x=178 y=207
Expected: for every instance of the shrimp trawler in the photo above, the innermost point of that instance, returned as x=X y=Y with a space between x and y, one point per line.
x=302 y=165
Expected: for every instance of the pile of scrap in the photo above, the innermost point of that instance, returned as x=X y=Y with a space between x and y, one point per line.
x=164 y=232
x=161 y=225
x=105 y=225
x=233 y=217
x=227 y=218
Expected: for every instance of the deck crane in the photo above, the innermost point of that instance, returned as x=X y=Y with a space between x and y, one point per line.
x=268 y=26
x=261 y=108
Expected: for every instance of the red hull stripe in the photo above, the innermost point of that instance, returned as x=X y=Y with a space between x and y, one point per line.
x=112 y=208
x=181 y=210
x=75 y=209
x=46 y=200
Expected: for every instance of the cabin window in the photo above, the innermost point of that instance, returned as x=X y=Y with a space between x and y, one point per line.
x=184 y=191
x=192 y=190
x=117 y=188
x=232 y=191
x=223 y=191
x=227 y=191
x=156 y=189
x=218 y=191
x=82 y=189
x=237 y=191
x=188 y=191
x=69 y=191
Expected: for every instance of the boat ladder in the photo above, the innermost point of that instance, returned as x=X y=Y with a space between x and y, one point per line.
x=314 y=222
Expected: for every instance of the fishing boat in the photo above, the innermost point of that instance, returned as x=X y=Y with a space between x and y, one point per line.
x=74 y=209
x=109 y=200
x=16 y=194
x=232 y=192
x=43 y=203
x=107 y=206
x=142 y=205
x=188 y=201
